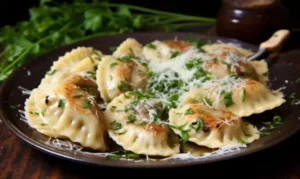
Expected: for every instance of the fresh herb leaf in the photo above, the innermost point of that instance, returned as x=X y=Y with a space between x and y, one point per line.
x=62 y=103
x=123 y=86
x=43 y=111
x=184 y=136
x=86 y=103
x=113 y=48
x=241 y=141
x=244 y=95
x=113 y=64
x=227 y=99
x=116 y=126
x=265 y=73
x=262 y=134
x=197 y=124
x=90 y=74
x=150 y=45
x=51 y=72
x=131 y=119
x=207 y=101
x=113 y=108
x=33 y=113
x=125 y=59
x=174 y=54
x=277 y=120
x=292 y=96
x=200 y=111
x=189 y=112
x=77 y=95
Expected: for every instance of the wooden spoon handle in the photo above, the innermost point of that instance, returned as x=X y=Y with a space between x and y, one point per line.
x=275 y=41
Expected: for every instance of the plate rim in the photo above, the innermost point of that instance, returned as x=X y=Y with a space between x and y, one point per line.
x=35 y=144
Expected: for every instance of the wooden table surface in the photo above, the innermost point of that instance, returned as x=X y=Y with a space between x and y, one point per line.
x=19 y=160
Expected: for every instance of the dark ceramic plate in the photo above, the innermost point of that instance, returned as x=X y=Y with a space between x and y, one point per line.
x=12 y=100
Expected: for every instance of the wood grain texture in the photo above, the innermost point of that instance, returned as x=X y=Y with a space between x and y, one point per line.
x=19 y=160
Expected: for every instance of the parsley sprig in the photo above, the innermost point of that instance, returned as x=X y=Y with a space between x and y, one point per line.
x=53 y=24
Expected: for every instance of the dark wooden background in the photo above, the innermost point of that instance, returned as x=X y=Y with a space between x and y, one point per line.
x=19 y=160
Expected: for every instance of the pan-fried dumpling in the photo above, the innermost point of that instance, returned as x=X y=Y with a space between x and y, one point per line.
x=160 y=51
x=210 y=127
x=133 y=123
x=241 y=97
x=130 y=47
x=69 y=112
x=82 y=60
x=217 y=47
x=116 y=75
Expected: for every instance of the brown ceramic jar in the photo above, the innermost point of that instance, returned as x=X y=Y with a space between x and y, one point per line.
x=251 y=21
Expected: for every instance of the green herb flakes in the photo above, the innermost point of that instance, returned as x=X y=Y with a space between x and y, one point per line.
x=150 y=45
x=61 y=103
x=174 y=54
x=184 y=136
x=116 y=126
x=86 y=103
x=197 y=124
x=123 y=86
x=50 y=73
x=227 y=99
x=34 y=113
x=131 y=119
x=113 y=108
x=112 y=65
x=189 y=112
x=207 y=101
x=43 y=111
x=244 y=95
x=113 y=48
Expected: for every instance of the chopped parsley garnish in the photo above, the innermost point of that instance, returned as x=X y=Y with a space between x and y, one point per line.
x=197 y=124
x=184 y=136
x=113 y=64
x=277 y=120
x=150 y=45
x=62 y=103
x=227 y=99
x=77 y=95
x=174 y=54
x=184 y=133
x=123 y=86
x=292 y=96
x=189 y=112
x=241 y=141
x=131 y=119
x=43 y=111
x=262 y=134
x=86 y=103
x=113 y=48
x=90 y=74
x=51 y=72
x=116 y=126
x=33 y=113
x=199 y=74
x=125 y=59
x=123 y=154
x=200 y=111
x=215 y=60
x=265 y=73
x=244 y=95
x=113 y=108
x=42 y=124
x=207 y=101
x=142 y=123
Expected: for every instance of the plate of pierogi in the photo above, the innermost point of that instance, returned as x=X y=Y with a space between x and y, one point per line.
x=152 y=99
